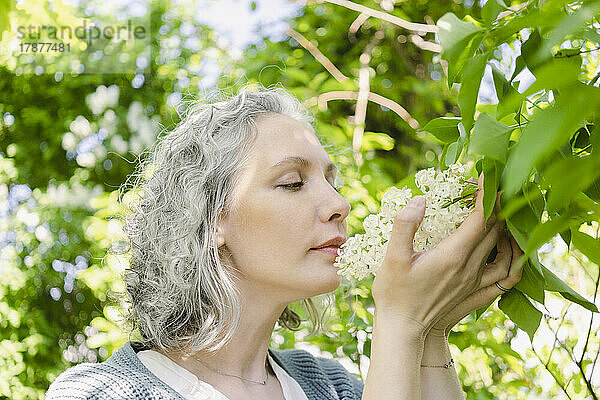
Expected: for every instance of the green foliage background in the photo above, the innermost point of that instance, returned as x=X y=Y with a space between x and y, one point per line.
x=68 y=141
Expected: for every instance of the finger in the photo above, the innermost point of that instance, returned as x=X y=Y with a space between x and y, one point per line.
x=479 y=298
x=515 y=272
x=483 y=249
x=499 y=268
x=406 y=222
x=471 y=231
x=498 y=209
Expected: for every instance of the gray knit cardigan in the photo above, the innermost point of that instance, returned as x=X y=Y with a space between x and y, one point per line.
x=123 y=376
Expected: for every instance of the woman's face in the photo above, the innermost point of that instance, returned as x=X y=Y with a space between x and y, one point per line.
x=284 y=209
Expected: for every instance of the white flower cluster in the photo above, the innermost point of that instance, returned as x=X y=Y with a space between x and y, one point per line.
x=448 y=203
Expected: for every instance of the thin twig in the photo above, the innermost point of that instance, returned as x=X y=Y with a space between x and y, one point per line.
x=357 y=23
x=556 y=379
x=578 y=53
x=594 y=80
x=323 y=98
x=364 y=88
x=425 y=45
x=591 y=321
x=546 y=364
x=595 y=359
x=383 y=16
x=582 y=150
x=572 y=355
x=320 y=57
x=588 y=384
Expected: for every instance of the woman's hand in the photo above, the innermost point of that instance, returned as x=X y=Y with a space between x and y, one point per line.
x=423 y=287
x=501 y=270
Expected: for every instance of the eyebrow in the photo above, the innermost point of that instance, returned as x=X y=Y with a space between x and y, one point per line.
x=304 y=163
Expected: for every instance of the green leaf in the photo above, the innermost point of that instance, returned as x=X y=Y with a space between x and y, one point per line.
x=492 y=171
x=490 y=138
x=444 y=128
x=555 y=284
x=553 y=75
x=532 y=283
x=543 y=233
x=587 y=245
x=568 y=177
x=459 y=41
x=529 y=49
x=453 y=153
x=568 y=25
x=443 y=157
x=590 y=35
x=499 y=82
x=526 y=218
x=522 y=222
x=519 y=66
x=491 y=9
x=455 y=69
x=409 y=182
x=566 y=237
x=504 y=89
x=529 y=194
x=593 y=191
x=547 y=130
x=377 y=141
x=469 y=89
x=520 y=311
x=454 y=34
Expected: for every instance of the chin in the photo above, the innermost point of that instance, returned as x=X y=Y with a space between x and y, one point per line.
x=328 y=282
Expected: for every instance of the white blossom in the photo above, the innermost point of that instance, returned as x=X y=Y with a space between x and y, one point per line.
x=448 y=204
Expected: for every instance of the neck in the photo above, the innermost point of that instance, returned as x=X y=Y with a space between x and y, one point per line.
x=245 y=354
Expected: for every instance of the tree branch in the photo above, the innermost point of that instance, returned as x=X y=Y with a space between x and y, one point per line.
x=320 y=57
x=572 y=355
x=322 y=100
x=357 y=23
x=425 y=45
x=383 y=16
x=556 y=379
x=587 y=339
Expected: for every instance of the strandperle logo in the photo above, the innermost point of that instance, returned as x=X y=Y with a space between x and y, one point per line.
x=76 y=42
x=84 y=32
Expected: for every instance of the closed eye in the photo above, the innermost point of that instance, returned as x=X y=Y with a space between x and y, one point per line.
x=295 y=186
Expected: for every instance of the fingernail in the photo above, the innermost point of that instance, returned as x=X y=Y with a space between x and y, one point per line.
x=416 y=202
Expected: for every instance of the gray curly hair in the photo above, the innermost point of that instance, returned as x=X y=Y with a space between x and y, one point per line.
x=179 y=292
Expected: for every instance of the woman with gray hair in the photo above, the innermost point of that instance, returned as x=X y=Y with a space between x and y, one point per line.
x=238 y=217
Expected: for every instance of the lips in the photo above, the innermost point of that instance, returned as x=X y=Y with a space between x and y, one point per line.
x=333 y=242
x=328 y=250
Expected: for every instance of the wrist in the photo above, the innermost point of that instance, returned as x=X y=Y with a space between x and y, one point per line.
x=439 y=332
x=404 y=325
x=436 y=350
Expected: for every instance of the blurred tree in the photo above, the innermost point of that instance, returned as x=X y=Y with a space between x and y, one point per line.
x=67 y=141
x=374 y=81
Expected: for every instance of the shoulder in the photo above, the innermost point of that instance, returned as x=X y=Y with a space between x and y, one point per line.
x=302 y=365
x=122 y=376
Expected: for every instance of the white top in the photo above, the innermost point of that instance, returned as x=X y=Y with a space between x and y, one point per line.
x=191 y=388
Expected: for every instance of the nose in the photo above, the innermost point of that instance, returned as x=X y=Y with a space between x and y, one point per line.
x=336 y=207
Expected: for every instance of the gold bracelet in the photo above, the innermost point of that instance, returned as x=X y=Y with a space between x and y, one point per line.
x=447 y=365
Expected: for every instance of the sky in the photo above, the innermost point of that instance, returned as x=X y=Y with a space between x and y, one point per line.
x=236 y=23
